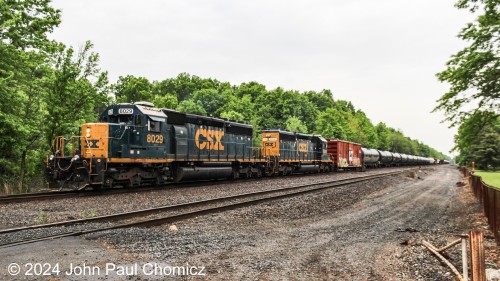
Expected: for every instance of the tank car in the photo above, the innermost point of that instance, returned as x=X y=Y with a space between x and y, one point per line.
x=371 y=157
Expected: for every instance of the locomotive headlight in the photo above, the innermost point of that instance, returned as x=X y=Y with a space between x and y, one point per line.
x=88 y=133
x=51 y=157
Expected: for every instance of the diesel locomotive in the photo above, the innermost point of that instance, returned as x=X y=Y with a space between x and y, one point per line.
x=137 y=144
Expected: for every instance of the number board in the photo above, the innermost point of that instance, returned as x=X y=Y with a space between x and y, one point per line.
x=125 y=111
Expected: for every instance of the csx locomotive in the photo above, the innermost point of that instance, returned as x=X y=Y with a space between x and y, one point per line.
x=138 y=144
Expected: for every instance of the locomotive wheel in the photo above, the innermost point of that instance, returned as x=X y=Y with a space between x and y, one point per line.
x=259 y=173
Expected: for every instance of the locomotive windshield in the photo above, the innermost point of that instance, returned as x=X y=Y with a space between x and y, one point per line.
x=119 y=119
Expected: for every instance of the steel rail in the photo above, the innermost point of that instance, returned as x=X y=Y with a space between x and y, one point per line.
x=296 y=190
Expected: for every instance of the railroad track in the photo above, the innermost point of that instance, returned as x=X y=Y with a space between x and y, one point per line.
x=53 y=195
x=153 y=216
x=26 y=197
x=63 y=194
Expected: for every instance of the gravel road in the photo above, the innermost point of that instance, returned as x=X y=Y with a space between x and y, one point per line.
x=366 y=231
x=369 y=231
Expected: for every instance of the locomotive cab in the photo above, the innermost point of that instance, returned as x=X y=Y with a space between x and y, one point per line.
x=125 y=134
x=136 y=131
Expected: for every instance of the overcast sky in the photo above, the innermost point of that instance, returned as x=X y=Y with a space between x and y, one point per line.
x=381 y=55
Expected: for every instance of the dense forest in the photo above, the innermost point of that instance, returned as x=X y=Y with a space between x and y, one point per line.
x=48 y=89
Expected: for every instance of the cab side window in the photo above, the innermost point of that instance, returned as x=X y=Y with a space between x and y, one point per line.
x=154 y=126
x=138 y=120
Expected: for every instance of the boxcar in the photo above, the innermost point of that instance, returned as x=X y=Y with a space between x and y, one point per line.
x=344 y=154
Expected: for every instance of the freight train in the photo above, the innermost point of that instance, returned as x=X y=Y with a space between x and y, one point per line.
x=137 y=144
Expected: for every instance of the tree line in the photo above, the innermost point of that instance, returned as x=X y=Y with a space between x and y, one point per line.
x=48 y=89
x=472 y=102
x=306 y=112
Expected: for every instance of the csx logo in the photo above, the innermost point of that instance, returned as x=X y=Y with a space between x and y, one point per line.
x=302 y=147
x=209 y=139
x=93 y=143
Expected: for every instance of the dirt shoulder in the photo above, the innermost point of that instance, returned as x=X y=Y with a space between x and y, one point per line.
x=368 y=231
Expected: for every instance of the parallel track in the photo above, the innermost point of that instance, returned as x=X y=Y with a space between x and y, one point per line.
x=200 y=208
x=54 y=195
x=63 y=194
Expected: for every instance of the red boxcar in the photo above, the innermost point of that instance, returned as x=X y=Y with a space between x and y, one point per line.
x=344 y=154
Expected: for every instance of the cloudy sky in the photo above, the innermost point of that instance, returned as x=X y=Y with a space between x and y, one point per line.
x=381 y=55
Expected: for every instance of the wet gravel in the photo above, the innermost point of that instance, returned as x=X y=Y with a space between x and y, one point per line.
x=46 y=211
x=367 y=231
x=46 y=232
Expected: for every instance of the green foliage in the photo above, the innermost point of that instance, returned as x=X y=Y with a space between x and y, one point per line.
x=25 y=24
x=191 y=106
x=24 y=72
x=479 y=141
x=383 y=133
x=48 y=89
x=232 y=115
x=211 y=100
x=77 y=91
x=363 y=130
x=130 y=89
x=333 y=123
x=294 y=124
x=473 y=72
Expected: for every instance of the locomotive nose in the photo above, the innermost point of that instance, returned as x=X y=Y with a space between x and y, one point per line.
x=94 y=140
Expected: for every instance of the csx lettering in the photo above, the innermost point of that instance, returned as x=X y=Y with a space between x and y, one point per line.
x=209 y=139
x=93 y=144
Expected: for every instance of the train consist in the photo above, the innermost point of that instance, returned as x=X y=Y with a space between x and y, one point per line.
x=138 y=144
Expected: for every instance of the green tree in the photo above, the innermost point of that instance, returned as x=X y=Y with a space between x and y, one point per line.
x=211 y=100
x=322 y=100
x=130 y=89
x=190 y=106
x=78 y=91
x=294 y=124
x=486 y=152
x=473 y=72
x=470 y=135
x=24 y=53
x=25 y=24
x=232 y=115
x=363 y=130
x=383 y=133
x=166 y=101
x=241 y=105
x=252 y=89
x=333 y=123
x=184 y=85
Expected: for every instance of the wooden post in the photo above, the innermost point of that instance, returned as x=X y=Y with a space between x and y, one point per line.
x=478 y=270
x=465 y=269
